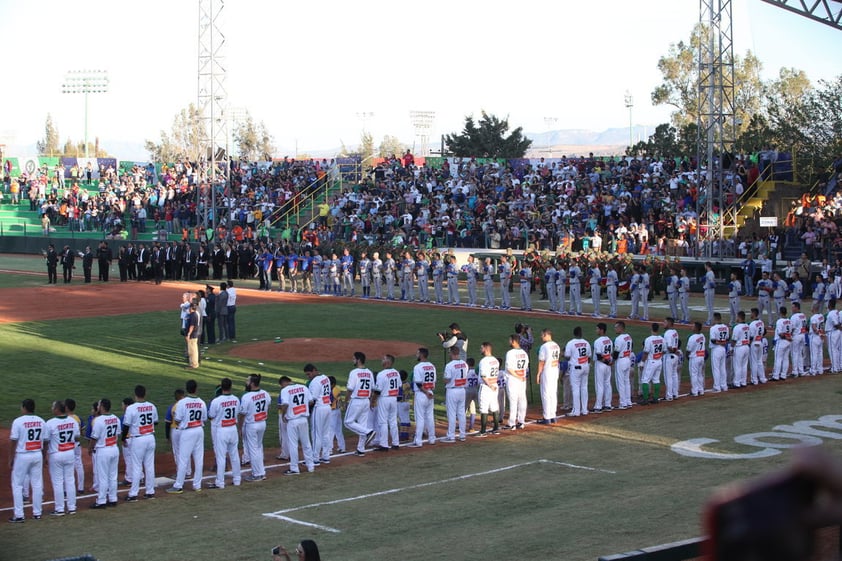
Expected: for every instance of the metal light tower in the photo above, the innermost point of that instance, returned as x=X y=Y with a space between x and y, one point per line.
x=422 y=122
x=629 y=100
x=716 y=117
x=550 y=122
x=85 y=82
x=212 y=96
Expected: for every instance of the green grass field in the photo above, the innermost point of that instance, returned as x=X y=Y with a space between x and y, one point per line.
x=571 y=492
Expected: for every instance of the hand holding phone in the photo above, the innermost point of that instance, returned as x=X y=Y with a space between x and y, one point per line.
x=276 y=550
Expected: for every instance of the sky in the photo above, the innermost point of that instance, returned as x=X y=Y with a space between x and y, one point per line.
x=311 y=70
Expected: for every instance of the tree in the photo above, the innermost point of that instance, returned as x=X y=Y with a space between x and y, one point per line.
x=680 y=86
x=389 y=146
x=48 y=146
x=253 y=141
x=487 y=139
x=183 y=141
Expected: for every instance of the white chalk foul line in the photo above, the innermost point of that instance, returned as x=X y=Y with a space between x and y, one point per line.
x=279 y=514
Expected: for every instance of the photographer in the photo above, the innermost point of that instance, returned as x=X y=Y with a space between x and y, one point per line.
x=526 y=337
x=455 y=338
x=306 y=550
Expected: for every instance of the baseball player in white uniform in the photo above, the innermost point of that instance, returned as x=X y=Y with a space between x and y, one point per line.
x=623 y=353
x=741 y=337
x=833 y=327
x=517 y=368
x=549 y=356
x=799 y=326
x=295 y=407
x=70 y=405
x=710 y=289
x=455 y=380
x=596 y=289
x=603 y=357
x=684 y=296
x=320 y=391
x=254 y=410
x=27 y=436
x=578 y=353
x=140 y=419
x=783 y=340
x=672 y=359
x=489 y=368
x=62 y=436
x=223 y=412
x=472 y=394
x=358 y=396
x=612 y=281
x=817 y=336
x=672 y=292
x=653 y=364
x=574 y=273
x=734 y=290
x=719 y=335
x=190 y=415
x=104 y=436
x=424 y=385
x=757 y=333
x=696 y=353
x=779 y=290
x=764 y=293
x=634 y=292
x=387 y=388
x=644 y=291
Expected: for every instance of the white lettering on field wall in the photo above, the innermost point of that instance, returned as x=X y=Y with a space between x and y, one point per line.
x=799 y=433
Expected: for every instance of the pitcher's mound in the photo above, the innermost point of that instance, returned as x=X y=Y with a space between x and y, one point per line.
x=318 y=350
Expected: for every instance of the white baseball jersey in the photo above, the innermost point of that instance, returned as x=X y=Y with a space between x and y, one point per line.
x=489 y=368
x=190 y=412
x=549 y=354
x=603 y=349
x=671 y=340
x=517 y=361
x=798 y=323
x=388 y=383
x=360 y=383
x=456 y=374
x=320 y=390
x=61 y=434
x=578 y=351
x=833 y=320
x=741 y=335
x=783 y=329
x=653 y=346
x=424 y=377
x=719 y=334
x=140 y=418
x=757 y=330
x=696 y=346
x=254 y=406
x=28 y=432
x=106 y=429
x=623 y=345
x=817 y=323
x=224 y=410
x=297 y=398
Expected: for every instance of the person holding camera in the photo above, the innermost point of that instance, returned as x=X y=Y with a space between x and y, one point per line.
x=306 y=550
x=456 y=338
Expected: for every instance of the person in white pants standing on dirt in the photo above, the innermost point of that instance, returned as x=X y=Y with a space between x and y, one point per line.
x=104 y=437
x=358 y=397
x=190 y=416
x=696 y=353
x=710 y=289
x=578 y=353
x=455 y=380
x=223 y=413
x=741 y=337
x=62 y=436
x=547 y=378
x=320 y=391
x=799 y=326
x=719 y=336
x=817 y=336
x=783 y=341
x=672 y=359
x=295 y=407
x=622 y=364
x=757 y=334
x=140 y=420
x=387 y=388
x=254 y=410
x=833 y=326
x=424 y=385
x=603 y=351
x=517 y=368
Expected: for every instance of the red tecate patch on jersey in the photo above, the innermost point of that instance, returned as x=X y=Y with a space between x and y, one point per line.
x=320 y=349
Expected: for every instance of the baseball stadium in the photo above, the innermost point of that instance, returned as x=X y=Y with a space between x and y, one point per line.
x=631 y=355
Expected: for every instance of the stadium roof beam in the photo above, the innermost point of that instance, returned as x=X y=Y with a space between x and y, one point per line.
x=828 y=12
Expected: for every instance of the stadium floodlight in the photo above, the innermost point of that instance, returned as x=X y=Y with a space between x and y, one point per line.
x=85 y=82
x=629 y=100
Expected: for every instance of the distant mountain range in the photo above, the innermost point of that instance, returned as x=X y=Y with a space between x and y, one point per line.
x=556 y=143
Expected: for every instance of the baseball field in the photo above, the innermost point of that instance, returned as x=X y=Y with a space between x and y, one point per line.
x=572 y=491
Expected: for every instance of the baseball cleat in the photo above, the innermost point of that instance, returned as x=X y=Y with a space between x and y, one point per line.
x=369 y=437
x=290 y=472
x=17 y=520
x=97 y=506
x=57 y=513
x=175 y=491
